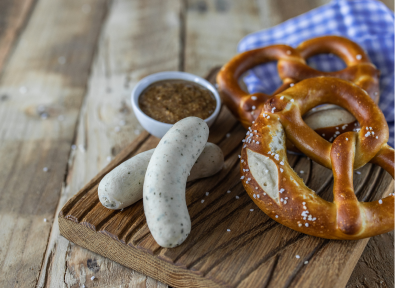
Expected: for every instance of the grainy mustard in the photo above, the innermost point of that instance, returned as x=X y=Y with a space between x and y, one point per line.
x=169 y=101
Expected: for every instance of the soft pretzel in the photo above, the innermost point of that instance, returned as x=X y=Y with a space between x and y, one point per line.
x=292 y=68
x=280 y=193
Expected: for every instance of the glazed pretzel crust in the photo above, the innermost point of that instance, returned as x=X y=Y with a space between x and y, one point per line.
x=302 y=209
x=292 y=68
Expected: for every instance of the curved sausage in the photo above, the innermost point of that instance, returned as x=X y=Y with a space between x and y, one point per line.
x=165 y=181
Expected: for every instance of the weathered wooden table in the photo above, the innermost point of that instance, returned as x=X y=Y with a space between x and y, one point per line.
x=67 y=69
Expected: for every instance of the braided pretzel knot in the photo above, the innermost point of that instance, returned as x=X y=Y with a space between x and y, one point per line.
x=292 y=68
x=280 y=193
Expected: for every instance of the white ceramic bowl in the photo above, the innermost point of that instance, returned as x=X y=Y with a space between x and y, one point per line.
x=155 y=127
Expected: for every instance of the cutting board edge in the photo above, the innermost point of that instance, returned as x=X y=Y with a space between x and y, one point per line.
x=147 y=264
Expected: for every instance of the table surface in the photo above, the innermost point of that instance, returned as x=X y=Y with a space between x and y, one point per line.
x=66 y=72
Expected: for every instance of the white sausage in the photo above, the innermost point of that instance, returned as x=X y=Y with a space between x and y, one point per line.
x=210 y=162
x=165 y=181
x=123 y=186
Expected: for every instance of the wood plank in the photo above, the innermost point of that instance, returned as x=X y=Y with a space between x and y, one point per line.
x=213 y=29
x=375 y=268
x=37 y=127
x=13 y=17
x=274 y=12
x=138 y=38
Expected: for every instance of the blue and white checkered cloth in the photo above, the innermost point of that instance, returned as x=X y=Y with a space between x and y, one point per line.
x=367 y=22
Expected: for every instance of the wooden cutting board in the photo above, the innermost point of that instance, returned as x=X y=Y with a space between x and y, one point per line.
x=256 y=252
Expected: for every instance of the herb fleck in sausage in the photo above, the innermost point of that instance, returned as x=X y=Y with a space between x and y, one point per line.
x=164 y=186
x=123 y=186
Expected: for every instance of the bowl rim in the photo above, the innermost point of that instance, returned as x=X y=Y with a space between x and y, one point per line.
x=174 y=75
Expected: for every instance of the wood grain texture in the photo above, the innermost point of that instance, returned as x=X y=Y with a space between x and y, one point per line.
x=211 y=256
x=131 y=46
x=213 y=29
x=52 y=59
x=39 y=89
x=274 y=12
x=13 y=17
x=375 y=268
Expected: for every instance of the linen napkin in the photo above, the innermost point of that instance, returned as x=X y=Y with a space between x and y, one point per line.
x=367 y=22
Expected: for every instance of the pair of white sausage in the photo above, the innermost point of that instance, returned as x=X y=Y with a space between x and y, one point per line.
x=161 y=174
x=123 y=186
